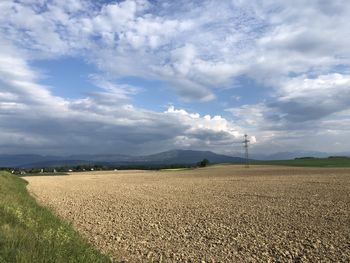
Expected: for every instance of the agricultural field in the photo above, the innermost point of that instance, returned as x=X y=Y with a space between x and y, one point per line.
x=214 y=214
x=32 y=233
x=310 y=162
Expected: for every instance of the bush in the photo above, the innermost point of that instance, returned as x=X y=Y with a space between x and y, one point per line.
x=203 y=163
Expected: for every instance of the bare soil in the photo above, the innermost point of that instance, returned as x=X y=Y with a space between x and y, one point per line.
x=215 y=214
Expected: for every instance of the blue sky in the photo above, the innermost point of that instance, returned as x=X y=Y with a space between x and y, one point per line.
x=140 y=76
x=66 y=77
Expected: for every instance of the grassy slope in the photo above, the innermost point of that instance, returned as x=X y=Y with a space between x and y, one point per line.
x=316 y=162
x=31 y=233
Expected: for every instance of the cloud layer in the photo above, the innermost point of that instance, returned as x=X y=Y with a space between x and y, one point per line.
x=297 y=52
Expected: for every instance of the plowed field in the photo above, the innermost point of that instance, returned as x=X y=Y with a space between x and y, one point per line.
x=215 y=214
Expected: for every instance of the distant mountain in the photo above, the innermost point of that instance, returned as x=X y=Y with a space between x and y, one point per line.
x=101 y=158
x=163 y=158
x=186 y=157
x=20 y=159
x=60 y=163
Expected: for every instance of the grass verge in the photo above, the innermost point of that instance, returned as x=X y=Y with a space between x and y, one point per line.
x=32 y=233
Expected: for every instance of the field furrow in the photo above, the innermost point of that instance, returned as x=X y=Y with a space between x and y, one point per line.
x=215 y=214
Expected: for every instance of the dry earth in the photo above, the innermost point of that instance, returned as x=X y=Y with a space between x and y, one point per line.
x=216 y=214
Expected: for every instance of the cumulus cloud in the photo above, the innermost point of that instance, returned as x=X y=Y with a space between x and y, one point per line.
x=190 y=47
x=33 y=120
x=304 y=99
x=303 y=109
x=300 y=100
x=207 y=43
x=298 y=51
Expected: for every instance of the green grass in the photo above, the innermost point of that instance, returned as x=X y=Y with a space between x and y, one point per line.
x=32 y=233
x=314 y=162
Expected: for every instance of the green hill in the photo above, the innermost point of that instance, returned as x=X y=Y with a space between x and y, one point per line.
x=310 y=162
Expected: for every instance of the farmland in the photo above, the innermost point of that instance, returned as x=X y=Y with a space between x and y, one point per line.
x=310 y=162
x=220 y=213
x=31 y=233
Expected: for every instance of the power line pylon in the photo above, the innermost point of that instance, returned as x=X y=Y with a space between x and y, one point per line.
x=246 y=144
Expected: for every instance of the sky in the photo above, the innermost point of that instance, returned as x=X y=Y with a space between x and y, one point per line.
x=138 y=77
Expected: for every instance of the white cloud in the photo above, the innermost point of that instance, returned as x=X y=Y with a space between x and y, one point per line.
x=303 y=99
x=329 y=85
x=303 y=108
x=127 y=39
x=196 y=122
x=250 y=116
x=299 y=51
x=101 y=122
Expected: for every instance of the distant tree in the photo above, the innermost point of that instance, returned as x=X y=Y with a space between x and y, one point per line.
x=203 y=163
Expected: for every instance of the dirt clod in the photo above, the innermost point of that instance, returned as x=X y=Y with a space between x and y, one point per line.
x=216 y=214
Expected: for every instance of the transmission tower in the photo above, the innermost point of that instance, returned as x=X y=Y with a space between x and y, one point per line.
x=246 y=144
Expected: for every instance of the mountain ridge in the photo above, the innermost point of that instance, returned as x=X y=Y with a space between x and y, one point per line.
x=162 y=158
x=175 y=156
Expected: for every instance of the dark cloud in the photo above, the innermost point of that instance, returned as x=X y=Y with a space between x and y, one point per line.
x=293 y=49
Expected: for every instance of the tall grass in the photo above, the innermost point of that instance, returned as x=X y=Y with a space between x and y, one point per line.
x=31 y=233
